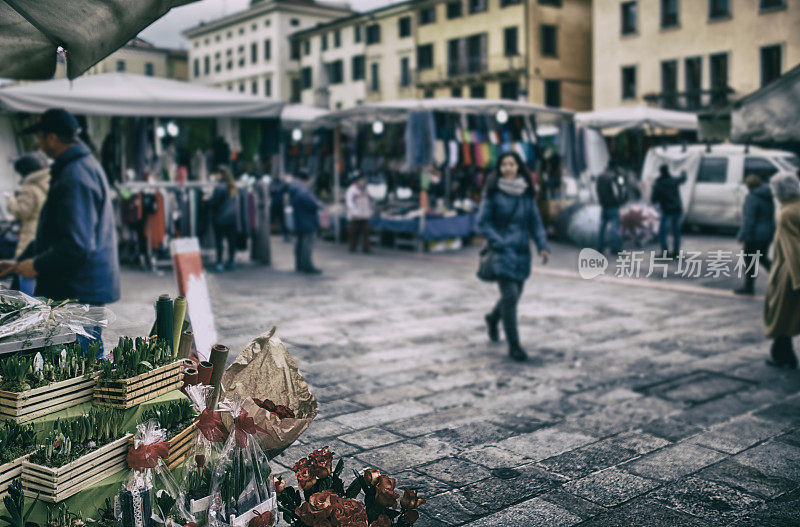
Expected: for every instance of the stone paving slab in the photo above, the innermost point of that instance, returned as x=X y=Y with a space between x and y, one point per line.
x=640 y=406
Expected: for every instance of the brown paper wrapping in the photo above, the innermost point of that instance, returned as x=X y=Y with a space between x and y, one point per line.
x=265 y=370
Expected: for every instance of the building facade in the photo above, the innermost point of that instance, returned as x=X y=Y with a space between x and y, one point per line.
x=690 y=54
x=142 y=58
x=452 y=48
x=250 y=51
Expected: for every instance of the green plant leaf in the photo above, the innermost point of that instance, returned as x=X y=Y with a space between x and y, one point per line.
x=339 y=468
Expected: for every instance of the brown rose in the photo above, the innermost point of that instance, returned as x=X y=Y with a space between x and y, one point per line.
x=310 y=515
x=371 y=476
x=324 y=500
x=382 y=521
x=280 y=485
x=304 y=462
x=349 y=513
x=385 y=496
x=410 y=500
x=410 y=516
x=305 y=479
x=321 y=462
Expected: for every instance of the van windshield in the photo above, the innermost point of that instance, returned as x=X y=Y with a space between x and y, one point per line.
x=790 y=163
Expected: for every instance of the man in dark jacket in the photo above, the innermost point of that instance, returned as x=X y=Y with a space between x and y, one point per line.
x=74 y=255
x=667 y=196
x=305 y=208
x=758 y=229
x=611 y=194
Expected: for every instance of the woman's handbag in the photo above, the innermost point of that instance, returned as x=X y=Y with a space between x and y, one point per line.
x=488 y=254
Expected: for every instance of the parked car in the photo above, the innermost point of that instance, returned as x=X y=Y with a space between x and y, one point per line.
x=714 y=192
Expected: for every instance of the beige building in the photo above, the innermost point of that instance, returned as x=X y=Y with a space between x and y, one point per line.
x=142 y=58
x=250 y=52
x=690 y=54
x=535 y=50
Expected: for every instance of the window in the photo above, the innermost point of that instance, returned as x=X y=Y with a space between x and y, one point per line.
x=767 y=5
x=268 y=87
x=719 y=79
x=148 y=67
x=669 y=83
x=669 y=13
x=206 y=66
x=241 y=87
x=241 y=62
x=294 y=22
x=357 y=34
x=334 y=72
x=628 y=82
x=556 y=3
x=373 y=34
x=719 y=9
x=510 y=42
x=324 y=42
x=552 y=93
x=549 y=40
x=466 y=55
x=374 y=81
x=305 y=78
x=217 y=38
x=456 y=92
x=477 y=91
x=228 y=35
x=254 y=52
x=241 y=49
x=295 y=50
x=337 y=38
x=254 y=87
x=404 y=27
x=478 y=6
x=628 y=18
x=427 y=15
x=241 y=31
x=228 y=52
x=713 y=170
x=428 y=93
x=425 y=57
x=405 y=72
x=358 y=68
x=121 y=66
x=509 y=90
x=254 y=27
x=229 y=65
x=217 y=67
x=267 y=22
x=307 y=47
x=504 y=3
x=694 y=81
x=759 y=166
x=770 y=64
x=294 y=87
x=455 y=9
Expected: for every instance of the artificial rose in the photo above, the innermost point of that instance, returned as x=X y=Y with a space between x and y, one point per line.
x=323 y=523
x=305 y=479
x=190 y=524
x=309 y=515
x=410 y=500
x=279 y=484
x=371 y=476
x=263 y=519
x=385 y=496
x=304 y=462
x=321 y=462
x=410 y=516
x=283 y=411
x=324 y=500
x=382 y=521
x=349 y=513
x=200 y=460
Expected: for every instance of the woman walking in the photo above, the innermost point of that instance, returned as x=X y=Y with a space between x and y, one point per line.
x=782 y=302
x=223 y=210
x=508 y=219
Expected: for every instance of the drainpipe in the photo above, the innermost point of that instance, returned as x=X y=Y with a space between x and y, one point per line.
x=528 y=51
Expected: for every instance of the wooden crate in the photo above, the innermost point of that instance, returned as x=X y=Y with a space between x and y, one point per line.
x=179 y=446
x=9 y=472
x=57 y=484
x=127 y=393
x=31 y=404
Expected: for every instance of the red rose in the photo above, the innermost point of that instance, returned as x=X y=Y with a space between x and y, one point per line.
x=410 y=500
x=324 y=501
x=309 y=515
x=200 y=460
x=371 y=476
x=410 y=516
x=382 y=521
x=321 y=463
x=283 y=411
x=305 y=479
x=301 y=463
x=385 y=496
x=263 y=519
x=349 y=513
x=266 y=404
x=280 y=485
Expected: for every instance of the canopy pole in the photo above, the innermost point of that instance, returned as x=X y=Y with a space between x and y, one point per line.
x=337 y=176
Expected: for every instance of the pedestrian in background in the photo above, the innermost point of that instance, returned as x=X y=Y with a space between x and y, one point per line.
x=223 y=212
x=611 y=193
x=277 y=206
x=508 y=218
x=25 y=205
x=359 y=212
x=305 y=208
x=668 y=198
x=757 y=231
x=782 y=301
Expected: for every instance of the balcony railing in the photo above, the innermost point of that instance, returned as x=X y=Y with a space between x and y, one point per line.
x=691 y=100
x=472 y=67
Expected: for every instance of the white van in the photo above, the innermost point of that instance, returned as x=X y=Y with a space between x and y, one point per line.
x=714 y=192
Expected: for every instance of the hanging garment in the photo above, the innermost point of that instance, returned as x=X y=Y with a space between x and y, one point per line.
x=156 y=223
x=452 y=154
x=419 y=139
x=439 y=153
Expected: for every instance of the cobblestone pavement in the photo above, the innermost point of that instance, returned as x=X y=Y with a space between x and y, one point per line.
x=641 y=405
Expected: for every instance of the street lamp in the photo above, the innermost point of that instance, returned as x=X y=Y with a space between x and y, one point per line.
x=377 y=127
x=297 y=135
x=501 y=116
x=172 y=129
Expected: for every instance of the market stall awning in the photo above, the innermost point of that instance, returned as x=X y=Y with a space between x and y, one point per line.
x=126 y=94
x=638 y=117
x=298 y=113
x=88 y=30
x=397 y=110
x=771 y=113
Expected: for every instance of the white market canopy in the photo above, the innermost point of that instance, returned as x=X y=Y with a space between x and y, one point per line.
x=298 y=113
x=31 y=31
x=771 y=113
x=638 y=117
x=397 y=110
x=126 y=94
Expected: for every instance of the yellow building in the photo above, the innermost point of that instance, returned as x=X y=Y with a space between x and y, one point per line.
x=142 y=58
x=690 y=54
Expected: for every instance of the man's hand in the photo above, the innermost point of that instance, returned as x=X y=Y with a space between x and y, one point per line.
x=7 y=267
x=25 y=269
x=545 y=257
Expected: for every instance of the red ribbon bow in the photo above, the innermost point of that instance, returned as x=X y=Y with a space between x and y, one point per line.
x=242 y=426
x=210 y=424
x=146 y=456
